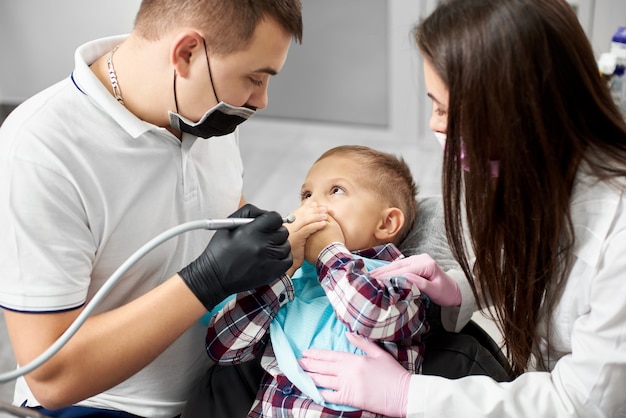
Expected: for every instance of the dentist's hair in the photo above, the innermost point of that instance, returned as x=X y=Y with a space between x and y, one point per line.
x=388 y=176
x=228 y=26
x=524 y=90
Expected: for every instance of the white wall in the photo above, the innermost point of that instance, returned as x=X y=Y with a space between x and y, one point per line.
x=608 y=16
x=600 y=19
x=38 y=39
x=344 y=54
x=366 y=40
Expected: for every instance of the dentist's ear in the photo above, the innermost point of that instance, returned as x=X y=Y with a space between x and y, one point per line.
x=391 y=221
x=186 y=45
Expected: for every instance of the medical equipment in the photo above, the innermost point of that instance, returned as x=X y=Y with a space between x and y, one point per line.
x=612 y=65
x=230 y=223
x=209 y=224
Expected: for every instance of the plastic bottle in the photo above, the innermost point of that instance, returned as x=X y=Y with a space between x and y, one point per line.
x=618 y=80
x=607 y=64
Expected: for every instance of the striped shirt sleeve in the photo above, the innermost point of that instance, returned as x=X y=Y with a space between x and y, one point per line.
x=238 y=332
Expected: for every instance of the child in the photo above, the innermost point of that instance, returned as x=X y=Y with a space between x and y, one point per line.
x=357 y=205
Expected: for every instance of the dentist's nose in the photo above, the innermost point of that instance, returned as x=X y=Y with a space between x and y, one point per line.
x=259 y=99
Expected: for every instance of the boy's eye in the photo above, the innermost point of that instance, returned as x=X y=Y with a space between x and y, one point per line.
x=337 y=190
x=305 y=195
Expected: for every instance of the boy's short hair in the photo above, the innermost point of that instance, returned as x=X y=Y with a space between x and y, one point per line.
x=227 y=26
x=390 y=178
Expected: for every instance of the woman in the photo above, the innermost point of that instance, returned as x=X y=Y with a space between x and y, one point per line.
x=535 y=174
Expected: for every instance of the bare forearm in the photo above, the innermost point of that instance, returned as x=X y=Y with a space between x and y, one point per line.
x=108 y=348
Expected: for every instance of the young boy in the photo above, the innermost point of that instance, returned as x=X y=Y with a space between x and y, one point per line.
x=357 y=205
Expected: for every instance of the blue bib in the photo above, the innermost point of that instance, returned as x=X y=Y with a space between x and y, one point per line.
x=309 y=321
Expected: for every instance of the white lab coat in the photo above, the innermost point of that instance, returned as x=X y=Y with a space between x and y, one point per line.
x=586 y=372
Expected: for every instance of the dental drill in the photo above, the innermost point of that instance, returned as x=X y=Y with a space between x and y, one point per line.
x=231 y=223
x=209 y=224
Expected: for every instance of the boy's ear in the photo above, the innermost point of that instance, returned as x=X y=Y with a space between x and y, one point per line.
x=187 y=44
x=391 y=222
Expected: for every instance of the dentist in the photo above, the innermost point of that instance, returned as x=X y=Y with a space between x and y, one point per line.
x=140 y=138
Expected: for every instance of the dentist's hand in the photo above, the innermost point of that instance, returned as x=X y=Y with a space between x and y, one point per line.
x=376 y=382
x=427 y=276
x=240 y=259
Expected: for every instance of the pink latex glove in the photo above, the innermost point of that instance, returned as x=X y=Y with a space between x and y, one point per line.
x=376 y=382
x=427 y=276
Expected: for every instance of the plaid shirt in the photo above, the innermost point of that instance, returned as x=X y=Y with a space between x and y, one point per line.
x=390 y=311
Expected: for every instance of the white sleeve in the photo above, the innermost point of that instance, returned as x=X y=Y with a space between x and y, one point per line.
x=531 y=395
x=46 y=245
x=587 y=380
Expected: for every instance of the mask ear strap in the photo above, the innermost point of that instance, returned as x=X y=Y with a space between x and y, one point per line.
x=175 y=99
x=206 y=54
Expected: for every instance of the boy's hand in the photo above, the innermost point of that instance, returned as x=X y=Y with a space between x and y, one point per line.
x=322 y=238
x=310 y=218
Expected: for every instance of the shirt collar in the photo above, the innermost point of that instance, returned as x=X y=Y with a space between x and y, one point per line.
x=385 y=252
x=87 y=82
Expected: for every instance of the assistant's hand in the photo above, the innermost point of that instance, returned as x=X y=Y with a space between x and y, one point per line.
x=427 y=276
x=376 y=382
x=240 y=259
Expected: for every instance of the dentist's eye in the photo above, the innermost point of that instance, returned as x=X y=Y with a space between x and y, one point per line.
x=256 y=82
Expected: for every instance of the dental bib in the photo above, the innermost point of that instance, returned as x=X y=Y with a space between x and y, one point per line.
x=309 y=321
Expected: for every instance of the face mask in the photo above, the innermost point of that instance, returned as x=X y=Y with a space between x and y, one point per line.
x=221 y=119
x=494 y=165
x=441 y=138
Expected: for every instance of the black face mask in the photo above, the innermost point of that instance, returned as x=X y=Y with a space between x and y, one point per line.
x=221 y=119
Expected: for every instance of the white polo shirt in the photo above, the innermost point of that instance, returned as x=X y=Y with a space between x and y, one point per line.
x=84 y=184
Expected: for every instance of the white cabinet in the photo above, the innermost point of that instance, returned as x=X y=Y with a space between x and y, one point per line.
x=600 y=19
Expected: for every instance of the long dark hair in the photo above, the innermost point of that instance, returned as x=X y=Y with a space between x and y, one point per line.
x=525 y=90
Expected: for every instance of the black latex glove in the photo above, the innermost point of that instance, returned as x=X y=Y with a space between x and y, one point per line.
x=240 y=259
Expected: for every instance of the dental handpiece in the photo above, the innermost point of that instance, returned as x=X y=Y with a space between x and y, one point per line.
x=232 y=223
x=228 y=223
